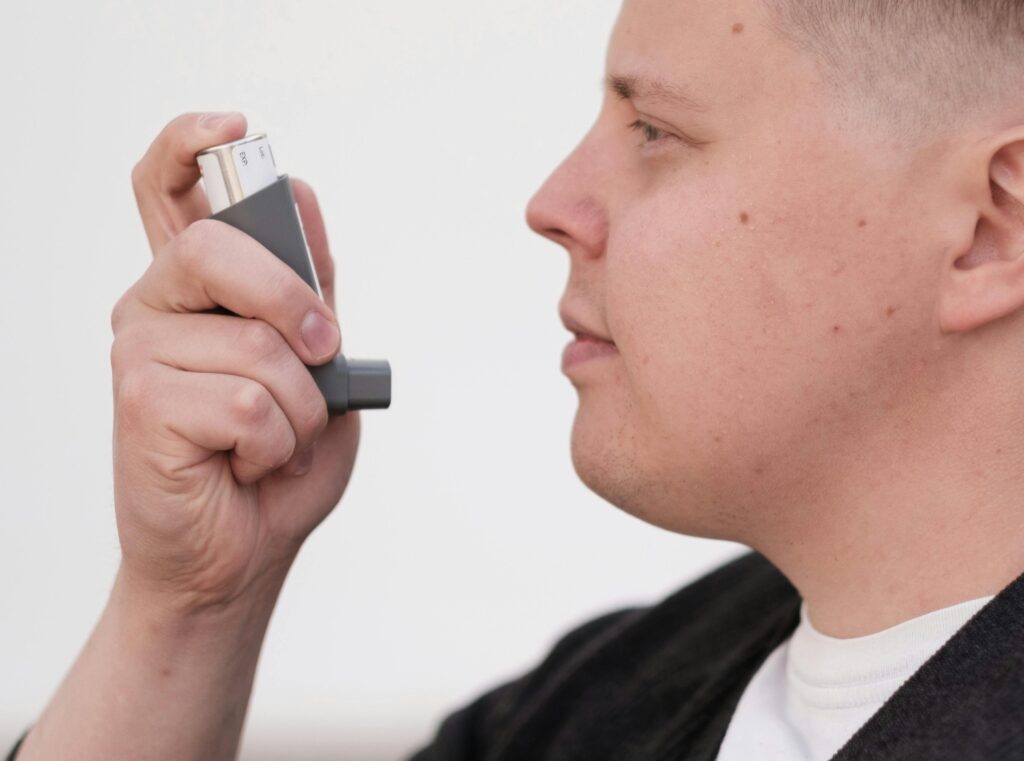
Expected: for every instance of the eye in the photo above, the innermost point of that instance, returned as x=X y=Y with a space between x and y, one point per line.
x=654 y=135
x=651 y=133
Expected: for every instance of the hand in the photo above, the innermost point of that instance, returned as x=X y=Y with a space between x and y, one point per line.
x=224 y=456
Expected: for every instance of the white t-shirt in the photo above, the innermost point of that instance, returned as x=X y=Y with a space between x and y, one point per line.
x=814 y=691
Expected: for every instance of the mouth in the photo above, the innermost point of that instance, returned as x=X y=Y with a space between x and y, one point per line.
x=586 y=348
x=588 y=344
x=580 y=331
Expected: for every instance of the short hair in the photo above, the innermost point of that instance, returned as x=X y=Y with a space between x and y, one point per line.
x=916 y=65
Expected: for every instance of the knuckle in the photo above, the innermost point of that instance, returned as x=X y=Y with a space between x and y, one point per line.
x=193 y=244
x=260 y=340
x=128 y=349
x=314 y=420
x=138 y=175
x=283 y=287
x=284 y=448
x=320 y=418
x=178 y=124
x=252 y=404
x=118 y=313
x=135 y=395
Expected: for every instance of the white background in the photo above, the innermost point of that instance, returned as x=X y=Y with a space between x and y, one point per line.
x=465 y=544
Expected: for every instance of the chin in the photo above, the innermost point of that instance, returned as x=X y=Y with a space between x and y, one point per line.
x=607 y=459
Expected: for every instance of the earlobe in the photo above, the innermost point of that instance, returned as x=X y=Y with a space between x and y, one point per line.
x=985 y=281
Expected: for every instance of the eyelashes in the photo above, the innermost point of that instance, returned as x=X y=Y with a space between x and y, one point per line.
x=650 y=133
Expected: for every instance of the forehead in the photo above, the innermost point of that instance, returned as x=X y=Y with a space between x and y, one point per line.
x=724 y=52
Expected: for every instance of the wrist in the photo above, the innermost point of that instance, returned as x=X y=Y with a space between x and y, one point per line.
x=163 y=677
x=188 y=610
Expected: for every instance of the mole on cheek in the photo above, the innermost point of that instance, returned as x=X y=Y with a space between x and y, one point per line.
x=737 y=28
x=862 y=223
x=744 y=217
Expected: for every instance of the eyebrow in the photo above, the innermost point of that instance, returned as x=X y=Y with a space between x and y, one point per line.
x=630 y=87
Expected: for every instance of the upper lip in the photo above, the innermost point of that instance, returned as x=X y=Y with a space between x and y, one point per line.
x=573 y=325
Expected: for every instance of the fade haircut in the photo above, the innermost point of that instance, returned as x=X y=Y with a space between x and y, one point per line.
x=912 y=65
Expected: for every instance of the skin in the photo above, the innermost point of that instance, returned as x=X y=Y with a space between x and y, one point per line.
x=816 y=332
x=225 y=461
x=818 y=327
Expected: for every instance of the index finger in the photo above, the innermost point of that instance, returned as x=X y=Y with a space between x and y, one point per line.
x=165 y=179
x=214 y=265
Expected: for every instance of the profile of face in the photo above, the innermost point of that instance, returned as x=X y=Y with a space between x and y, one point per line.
x=766 y=268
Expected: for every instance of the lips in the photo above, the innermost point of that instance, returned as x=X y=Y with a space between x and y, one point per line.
x=579 y=328
x=589 y=344
x=586 y=348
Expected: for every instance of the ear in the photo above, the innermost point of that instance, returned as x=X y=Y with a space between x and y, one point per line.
x=985 y=278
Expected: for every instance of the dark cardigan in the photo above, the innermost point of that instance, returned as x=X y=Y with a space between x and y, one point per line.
x=660 y=683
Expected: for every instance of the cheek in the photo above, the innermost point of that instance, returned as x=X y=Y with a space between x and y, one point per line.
x=751 y=333
x=680 y=312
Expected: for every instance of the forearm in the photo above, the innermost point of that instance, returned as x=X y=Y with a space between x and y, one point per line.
x=154 y=682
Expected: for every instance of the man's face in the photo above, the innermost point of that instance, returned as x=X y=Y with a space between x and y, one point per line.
x=766 y=275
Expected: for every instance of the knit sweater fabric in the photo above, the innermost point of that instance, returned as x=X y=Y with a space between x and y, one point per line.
x=815 y=691
x=661 y=683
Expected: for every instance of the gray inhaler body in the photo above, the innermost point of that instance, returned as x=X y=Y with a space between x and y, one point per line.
x=246 y=192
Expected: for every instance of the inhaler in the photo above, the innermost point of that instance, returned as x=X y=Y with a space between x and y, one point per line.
x=246 y=192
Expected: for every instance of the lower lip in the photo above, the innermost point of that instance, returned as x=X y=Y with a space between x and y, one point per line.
x=586 y=348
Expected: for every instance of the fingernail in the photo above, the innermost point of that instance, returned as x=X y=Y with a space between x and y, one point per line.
x=304 y=462
x=320 y=336
x=214 y=119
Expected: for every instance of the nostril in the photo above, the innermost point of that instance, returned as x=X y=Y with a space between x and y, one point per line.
x=543 y=222
x=565 y=213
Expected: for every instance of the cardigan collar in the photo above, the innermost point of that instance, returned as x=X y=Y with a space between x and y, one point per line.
x=966 y=702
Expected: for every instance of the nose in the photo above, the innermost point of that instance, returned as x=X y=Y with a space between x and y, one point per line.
x=569 y=208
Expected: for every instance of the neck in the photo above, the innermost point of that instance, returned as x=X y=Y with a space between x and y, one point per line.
x=925 y=521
